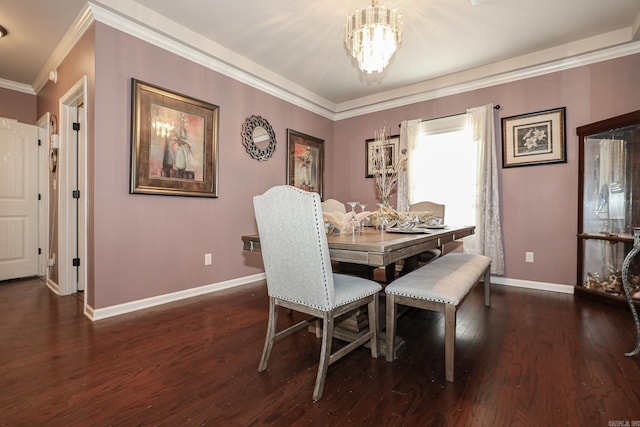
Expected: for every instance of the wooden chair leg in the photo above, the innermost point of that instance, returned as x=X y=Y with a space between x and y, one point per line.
x=327 y=337
x=372 y=308
x=271 y=333
x=487 y=287
x=449 y=340
x=391 y=327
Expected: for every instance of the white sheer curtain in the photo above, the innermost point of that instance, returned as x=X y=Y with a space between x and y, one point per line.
x=480 y=121
x=409 y=131
x=488 y=235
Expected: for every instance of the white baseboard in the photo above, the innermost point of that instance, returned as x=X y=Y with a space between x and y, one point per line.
x=52 y=285
x=116 y=310
x=128 y=307
x=542 y=286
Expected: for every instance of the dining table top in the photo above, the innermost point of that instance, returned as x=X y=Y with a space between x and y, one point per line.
x=377 y=248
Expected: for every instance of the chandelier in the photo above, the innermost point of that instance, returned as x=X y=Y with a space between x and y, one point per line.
x=372 y=36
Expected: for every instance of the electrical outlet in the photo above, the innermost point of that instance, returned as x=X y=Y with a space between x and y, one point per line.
x=528 y=256
x=207 y=259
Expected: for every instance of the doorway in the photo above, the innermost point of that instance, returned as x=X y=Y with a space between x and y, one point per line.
x=72 y=224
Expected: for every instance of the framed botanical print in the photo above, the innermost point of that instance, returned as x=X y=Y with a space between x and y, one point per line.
x=534 y=138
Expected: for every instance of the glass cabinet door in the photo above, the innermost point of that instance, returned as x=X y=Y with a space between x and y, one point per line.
x=609 y=203
x=610 y=180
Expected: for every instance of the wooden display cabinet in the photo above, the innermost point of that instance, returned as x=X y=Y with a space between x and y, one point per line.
x=608 y=205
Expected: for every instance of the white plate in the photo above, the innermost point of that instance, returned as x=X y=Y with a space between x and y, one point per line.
x=433 y=227
x=407 y=231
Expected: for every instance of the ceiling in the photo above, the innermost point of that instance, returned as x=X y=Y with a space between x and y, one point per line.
x=297 y=46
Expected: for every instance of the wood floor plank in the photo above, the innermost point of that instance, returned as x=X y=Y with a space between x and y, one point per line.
x=532 y=358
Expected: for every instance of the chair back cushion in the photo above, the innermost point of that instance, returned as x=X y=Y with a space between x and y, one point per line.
x=294 y=246
x=333 y=205
x=436 y=209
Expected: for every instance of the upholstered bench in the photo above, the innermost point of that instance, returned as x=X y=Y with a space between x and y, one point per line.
x=439 y=286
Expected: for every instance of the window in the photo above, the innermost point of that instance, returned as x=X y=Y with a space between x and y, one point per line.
x=443 y=168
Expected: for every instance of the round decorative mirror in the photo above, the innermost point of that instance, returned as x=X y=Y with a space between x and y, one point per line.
x=258 y=138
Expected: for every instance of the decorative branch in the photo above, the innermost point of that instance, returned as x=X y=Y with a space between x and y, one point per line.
x=386 y=173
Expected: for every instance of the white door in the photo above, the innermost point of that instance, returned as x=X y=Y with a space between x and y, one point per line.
x=18 y=199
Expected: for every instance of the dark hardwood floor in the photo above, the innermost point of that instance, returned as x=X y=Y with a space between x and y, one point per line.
x=534 y=358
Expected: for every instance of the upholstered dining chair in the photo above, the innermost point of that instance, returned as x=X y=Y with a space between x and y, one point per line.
x=437 y=210
x=299 y=276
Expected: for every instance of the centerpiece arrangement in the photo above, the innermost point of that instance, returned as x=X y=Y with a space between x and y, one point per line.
x=386 y=174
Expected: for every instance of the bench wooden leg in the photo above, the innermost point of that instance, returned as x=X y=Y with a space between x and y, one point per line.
x=373 y=325
x=391 y=327
x=449 y=340
x=487 y=287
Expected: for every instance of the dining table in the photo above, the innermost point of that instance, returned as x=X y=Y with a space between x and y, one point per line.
x=375 y=248
x=371 y=249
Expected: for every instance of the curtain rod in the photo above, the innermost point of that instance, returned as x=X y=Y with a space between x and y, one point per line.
x=495 y=107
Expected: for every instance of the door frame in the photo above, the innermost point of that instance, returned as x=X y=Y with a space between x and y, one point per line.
x=71 y=228
x=44 y=242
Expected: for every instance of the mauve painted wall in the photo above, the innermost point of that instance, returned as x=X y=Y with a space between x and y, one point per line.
x=18 y=106
x=539 y=203
x=148 y=245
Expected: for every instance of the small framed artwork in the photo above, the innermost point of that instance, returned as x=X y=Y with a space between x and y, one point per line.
x=391 y=148
x=305 y=162
x=534 y=138
x=174 y=143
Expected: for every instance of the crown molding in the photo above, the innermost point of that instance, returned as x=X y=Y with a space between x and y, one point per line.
x=182 y=41
x=18 y=87
x=79 y=26
x=142 y=23
x=520 y=68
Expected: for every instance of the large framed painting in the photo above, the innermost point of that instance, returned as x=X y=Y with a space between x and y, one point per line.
x=174 y=143
x=534 y=138
x=372 y=151
x=305 y=161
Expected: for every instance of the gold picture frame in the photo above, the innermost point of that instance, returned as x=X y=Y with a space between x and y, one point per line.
x=174 y=143
x=305 y=162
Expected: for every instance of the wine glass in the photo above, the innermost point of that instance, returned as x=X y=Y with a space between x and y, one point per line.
x=383 y=221
x=362 y=206
x=353 y=206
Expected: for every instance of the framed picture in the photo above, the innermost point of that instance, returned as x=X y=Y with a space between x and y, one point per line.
x=305 y=161
x=391 y=147
x=174 y=143
x=534 y=138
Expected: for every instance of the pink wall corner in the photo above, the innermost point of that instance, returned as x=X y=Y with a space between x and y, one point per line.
x=147 y=245
x=539 y=203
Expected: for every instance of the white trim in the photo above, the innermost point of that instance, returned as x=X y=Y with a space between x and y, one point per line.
x=68 y=222
x=529 y=284
x=18 y=87
x=200 y=50
x=128 y=307
x=43 y=124
x=53 y=286
x=79 y=26
x=142 y=23
x=439 y=88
